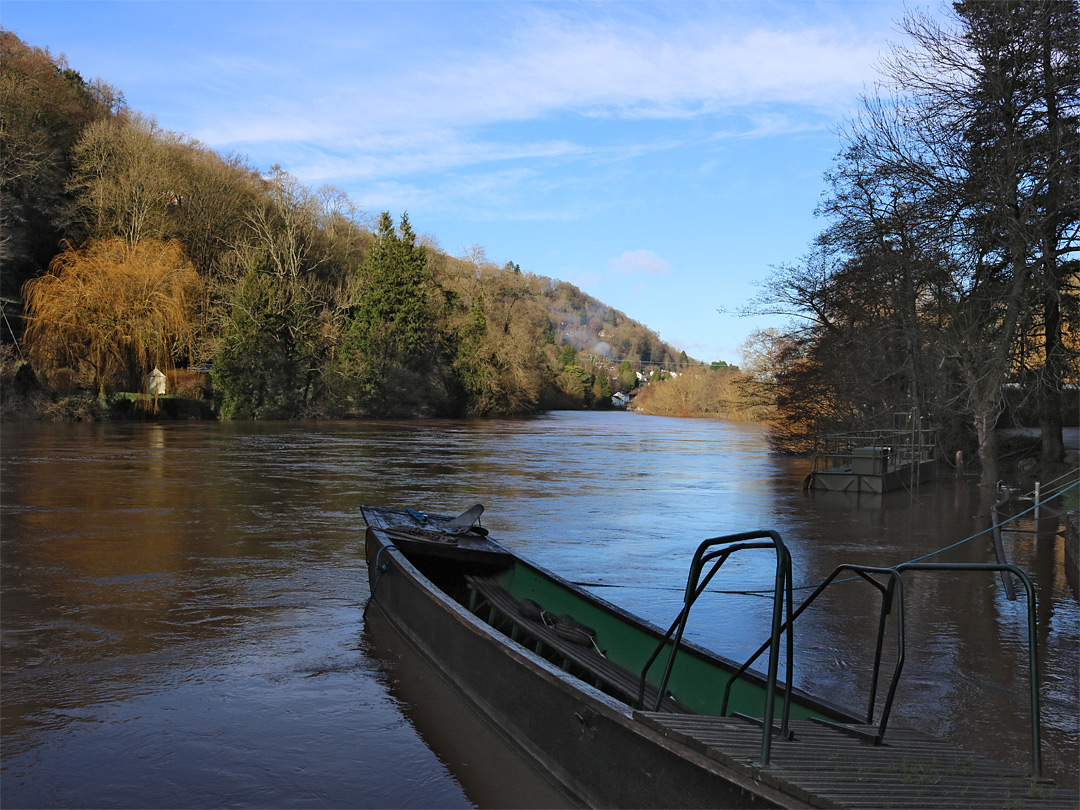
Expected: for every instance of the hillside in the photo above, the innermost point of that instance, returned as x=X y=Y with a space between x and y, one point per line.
x=127 y=247
x=593 y=327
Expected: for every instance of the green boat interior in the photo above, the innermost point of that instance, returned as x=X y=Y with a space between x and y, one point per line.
x=588 y=662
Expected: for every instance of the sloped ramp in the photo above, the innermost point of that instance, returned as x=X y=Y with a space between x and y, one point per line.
x=826 y=767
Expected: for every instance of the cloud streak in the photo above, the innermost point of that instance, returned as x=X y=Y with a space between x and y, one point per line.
x=455 y=107
x=639 y=262
x=557 y=134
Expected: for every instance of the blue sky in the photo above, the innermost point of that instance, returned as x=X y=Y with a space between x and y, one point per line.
x=661 y=156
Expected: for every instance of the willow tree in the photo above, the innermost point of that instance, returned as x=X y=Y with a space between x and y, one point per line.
x=113 y=309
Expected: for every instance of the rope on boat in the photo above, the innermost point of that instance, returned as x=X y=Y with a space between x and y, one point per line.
x=380 y=569
x=565 y=626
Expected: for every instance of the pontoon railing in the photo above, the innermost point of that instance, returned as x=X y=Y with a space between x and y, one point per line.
x=719 y=549
x=890 y=591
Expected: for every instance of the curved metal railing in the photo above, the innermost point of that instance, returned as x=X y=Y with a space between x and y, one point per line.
x=720 y=549
x=892 y=591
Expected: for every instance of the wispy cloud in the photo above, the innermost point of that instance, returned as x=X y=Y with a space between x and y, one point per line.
x=558 y=134
x=638 y=262
x=454 y=107
x=507 y=196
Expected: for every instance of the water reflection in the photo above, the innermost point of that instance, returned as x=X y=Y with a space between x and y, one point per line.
x=491 y=770
x=191 y=593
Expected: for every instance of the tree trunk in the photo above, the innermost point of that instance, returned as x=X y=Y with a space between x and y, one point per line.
x=1050 y=420
x=986 y=416
x=1050 y=381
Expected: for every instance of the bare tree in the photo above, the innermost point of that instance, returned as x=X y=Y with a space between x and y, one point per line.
x=987 y=108
x=952 y=207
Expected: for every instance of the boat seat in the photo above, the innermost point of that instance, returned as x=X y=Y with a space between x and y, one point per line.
x=579 y=660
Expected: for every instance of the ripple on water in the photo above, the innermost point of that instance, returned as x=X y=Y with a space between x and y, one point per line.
x=182 y=616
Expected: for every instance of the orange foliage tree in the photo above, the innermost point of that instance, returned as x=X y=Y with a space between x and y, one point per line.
x=113 y=309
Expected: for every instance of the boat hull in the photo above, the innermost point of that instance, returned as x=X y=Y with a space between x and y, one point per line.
x=589 y=742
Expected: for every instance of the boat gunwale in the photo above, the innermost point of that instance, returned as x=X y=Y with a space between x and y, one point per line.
x=707 y=656
x=436 y=593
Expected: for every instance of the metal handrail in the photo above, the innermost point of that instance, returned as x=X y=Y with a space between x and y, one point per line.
x=695 y=586
x=894 y=589
x=1033 y=642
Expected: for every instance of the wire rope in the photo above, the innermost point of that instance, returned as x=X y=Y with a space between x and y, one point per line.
x=769 y=592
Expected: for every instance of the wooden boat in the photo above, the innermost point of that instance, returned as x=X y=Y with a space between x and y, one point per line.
x=623 y=714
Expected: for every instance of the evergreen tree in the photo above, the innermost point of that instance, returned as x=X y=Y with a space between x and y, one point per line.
x=267 y=357
x=390 y=337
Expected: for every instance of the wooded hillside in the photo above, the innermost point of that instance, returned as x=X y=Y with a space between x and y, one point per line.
x=126 y=247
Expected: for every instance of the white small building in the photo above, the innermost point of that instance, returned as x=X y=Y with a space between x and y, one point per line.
x=155 y=383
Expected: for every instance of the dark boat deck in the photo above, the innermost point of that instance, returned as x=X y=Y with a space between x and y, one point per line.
x=464 y=548
x=826 y=767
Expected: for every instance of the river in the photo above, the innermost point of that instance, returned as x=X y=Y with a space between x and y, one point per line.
x=181 y=604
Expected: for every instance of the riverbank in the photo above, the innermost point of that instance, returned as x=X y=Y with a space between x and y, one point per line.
x=1019 y=451
x=1070 y=435
x=26 y=398
x=85 y=407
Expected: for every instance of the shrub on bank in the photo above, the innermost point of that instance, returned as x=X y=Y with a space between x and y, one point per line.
x=717 y=393
x=79 y=407
x=66 y=396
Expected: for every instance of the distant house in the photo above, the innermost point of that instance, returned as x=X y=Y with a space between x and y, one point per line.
x=155 y=383
x=620 y=400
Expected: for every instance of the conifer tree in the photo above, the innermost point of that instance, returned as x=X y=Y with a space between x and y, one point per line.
x=390 y=338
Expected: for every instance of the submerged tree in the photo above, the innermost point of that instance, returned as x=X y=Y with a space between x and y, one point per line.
x=112 y=308
x=1023 y=146
x=990 y=132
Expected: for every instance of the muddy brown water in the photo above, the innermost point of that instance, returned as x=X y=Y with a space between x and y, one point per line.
x=181 y=603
